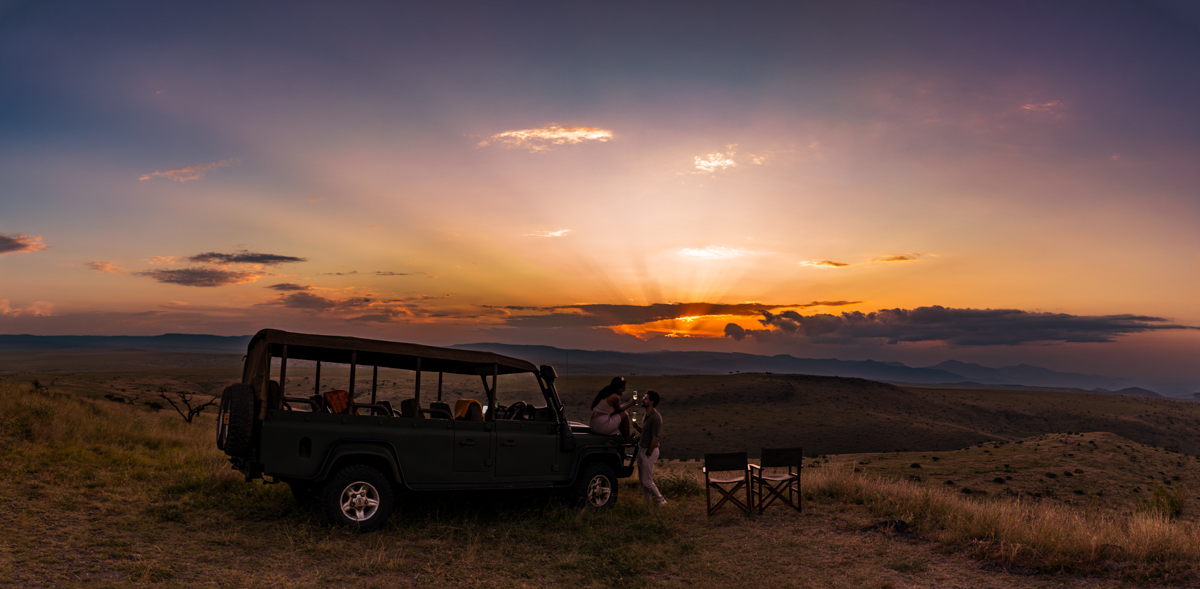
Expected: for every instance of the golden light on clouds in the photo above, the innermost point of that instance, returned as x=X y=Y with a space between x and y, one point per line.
x=186 y=173
x=715 y=162
x=541 y=139
x=699 y=326
x=826 y=264
x=559 y=233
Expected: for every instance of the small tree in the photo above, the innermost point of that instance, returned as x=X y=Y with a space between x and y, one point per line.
x=186 y=399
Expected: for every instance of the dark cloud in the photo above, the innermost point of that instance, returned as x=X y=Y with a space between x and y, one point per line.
x=316 y=302
x=12 y=244
x=200 y=276
x=244 y=257
x=350 y=273
x=376 y=317
x=961 y=327
x=735 y=331
x=288 y=286
x=306 y=300
x=390 y=273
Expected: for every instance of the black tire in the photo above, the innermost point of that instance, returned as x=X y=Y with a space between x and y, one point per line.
x=358 y=497
x=596 y=487
x=235 y=420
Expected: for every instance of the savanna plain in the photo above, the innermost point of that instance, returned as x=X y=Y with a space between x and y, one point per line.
x=106 y=485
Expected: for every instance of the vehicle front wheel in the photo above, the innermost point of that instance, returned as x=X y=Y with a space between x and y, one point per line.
x=596 y=487
x=358 y=497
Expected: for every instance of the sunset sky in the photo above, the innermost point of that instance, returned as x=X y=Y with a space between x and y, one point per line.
x=998 y=183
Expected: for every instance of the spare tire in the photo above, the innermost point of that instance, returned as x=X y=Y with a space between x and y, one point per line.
x=235 y=420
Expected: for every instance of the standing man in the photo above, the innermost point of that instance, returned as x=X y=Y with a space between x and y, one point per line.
x=647 y=452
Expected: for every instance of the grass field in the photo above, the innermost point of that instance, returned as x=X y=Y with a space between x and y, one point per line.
x=825 y=415
x=112 y=494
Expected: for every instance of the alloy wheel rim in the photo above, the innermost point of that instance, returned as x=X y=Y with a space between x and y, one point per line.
x=360 y=501
x=599 y=491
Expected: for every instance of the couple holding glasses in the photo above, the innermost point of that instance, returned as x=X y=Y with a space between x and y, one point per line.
x=609 y=416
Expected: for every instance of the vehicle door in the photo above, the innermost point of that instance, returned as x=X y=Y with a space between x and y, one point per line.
x=526 y=449
x=473 y=444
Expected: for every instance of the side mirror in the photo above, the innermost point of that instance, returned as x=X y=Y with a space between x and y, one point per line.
x=548 y=374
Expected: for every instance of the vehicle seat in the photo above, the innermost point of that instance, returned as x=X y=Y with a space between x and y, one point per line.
x=409 y=408
x=388 y=407
x=468 y=410
x=338 y=401
x=441 y=410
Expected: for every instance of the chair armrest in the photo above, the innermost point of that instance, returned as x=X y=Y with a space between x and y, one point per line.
x=754 y=467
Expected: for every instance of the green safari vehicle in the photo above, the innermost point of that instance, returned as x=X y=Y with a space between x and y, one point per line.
x=351 y=449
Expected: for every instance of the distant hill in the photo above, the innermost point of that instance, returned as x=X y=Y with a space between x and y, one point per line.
x=827 y=415
x=1026 y=374
x=170 y=341
x=568 y=361
x=601 y=362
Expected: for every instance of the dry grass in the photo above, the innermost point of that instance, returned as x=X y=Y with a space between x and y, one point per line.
x=107 y=494
x=1146 y=544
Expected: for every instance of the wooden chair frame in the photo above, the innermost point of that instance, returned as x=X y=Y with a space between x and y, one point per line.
x=769 y=487
x=732 y=461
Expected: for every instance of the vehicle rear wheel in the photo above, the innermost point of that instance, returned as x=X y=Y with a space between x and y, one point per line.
x=596 y=487
x=235 y=419
x=358 y=497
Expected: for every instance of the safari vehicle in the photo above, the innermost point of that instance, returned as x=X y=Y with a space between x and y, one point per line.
x=352 y=455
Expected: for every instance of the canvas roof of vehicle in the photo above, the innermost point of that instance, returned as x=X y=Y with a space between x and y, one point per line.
x=369 y=352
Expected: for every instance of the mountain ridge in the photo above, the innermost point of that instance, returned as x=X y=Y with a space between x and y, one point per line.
x=662 y=362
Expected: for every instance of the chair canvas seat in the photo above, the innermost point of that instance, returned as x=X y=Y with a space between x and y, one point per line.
x=726 y=481
x=730 y=462
x=769 y=487
x=776 y=477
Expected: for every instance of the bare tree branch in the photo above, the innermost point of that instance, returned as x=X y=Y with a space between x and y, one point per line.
x=186 y=399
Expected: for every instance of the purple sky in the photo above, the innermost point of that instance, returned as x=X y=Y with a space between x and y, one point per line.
x=991 y=182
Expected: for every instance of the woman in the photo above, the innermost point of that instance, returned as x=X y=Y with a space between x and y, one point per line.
x=608 y=412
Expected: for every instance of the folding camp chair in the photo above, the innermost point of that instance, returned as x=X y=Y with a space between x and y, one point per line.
x=766 y=487
x=727 y=487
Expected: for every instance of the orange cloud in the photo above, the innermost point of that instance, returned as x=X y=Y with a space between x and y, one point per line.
x=897 y=258
x=108 y=268
x=559 y=233
x=542 y=138
x=37 y=309
x=186 y=173
x=21 y=243
x=824 y=264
